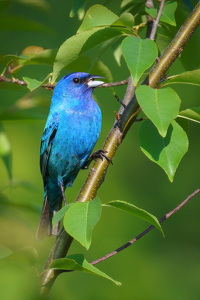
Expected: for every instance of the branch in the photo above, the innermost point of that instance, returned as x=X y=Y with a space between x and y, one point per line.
x=51 y=86
x=156 y=21
x=145 y=231
x=110 y=84
x=47 y=86
x=115 y=137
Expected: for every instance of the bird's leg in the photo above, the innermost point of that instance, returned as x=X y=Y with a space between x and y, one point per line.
x=63 y=192
x=97 y=154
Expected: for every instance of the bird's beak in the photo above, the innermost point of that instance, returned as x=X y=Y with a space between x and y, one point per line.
x=93 y=84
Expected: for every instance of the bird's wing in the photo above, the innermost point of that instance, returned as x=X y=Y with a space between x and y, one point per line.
x=47 y=142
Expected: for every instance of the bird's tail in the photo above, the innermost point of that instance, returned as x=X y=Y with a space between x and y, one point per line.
x=45 y=224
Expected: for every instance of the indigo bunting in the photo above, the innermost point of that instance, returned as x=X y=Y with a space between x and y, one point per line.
x=70 y=134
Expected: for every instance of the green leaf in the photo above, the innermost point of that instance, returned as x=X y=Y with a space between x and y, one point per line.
x=46 y=57
x=166 y=152
x=78 y=44
x=162 y=42
x=139 y=55
x=27 y=255
x=168 y=13
x=160 y=105
x=117 y=52
x=77 y=4
x=96 y=16
x=134 y=210
x=5 y=150
x=58 y=216
x=15 y=57
x=125 y=20
x=78 y=263
x=191 y=77
x=192 y=114
x=15 y=23
x=32 y=84
x=80 y=220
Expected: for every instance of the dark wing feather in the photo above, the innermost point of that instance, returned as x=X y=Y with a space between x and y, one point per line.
x=47 y=143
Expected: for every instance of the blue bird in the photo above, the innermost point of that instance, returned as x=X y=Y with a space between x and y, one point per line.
x=70 y=134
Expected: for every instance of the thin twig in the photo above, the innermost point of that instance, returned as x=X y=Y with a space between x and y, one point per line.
x=109 y=84
x=155 y=24
x=51 y=86
x=24 y=83
x=145 y=231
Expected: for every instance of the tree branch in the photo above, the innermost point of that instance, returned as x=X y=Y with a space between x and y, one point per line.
x=145 y=231
x=156 y=21
x=51 y=86
x=115 y=137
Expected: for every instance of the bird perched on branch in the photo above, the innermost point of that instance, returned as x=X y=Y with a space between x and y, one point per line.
x=70 y=134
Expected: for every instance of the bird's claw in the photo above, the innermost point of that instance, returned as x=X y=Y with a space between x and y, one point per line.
x=101 y=154
x=97 y=154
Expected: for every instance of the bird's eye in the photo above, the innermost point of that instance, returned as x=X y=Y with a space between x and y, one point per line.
x=76 y=80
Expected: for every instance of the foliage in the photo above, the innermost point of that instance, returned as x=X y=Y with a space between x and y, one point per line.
x=117 y=29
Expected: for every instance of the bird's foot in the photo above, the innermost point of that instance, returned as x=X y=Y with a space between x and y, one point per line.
x=98 y=154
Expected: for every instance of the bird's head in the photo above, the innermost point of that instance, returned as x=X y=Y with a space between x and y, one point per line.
x=78 y=83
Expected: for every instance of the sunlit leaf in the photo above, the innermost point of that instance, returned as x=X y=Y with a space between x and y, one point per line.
x=139 y=55
x=79 y=44
x=33 y=83
x=166 y=152
x=97 y=15
x=125 y=20
x=32 y=50
x=136 y=211
x=192 y=114
x=77 y=262
x=80 y=220
x=160 y=105
x=5 y=150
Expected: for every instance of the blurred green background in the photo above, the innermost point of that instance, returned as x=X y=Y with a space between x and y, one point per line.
x=153 y=267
